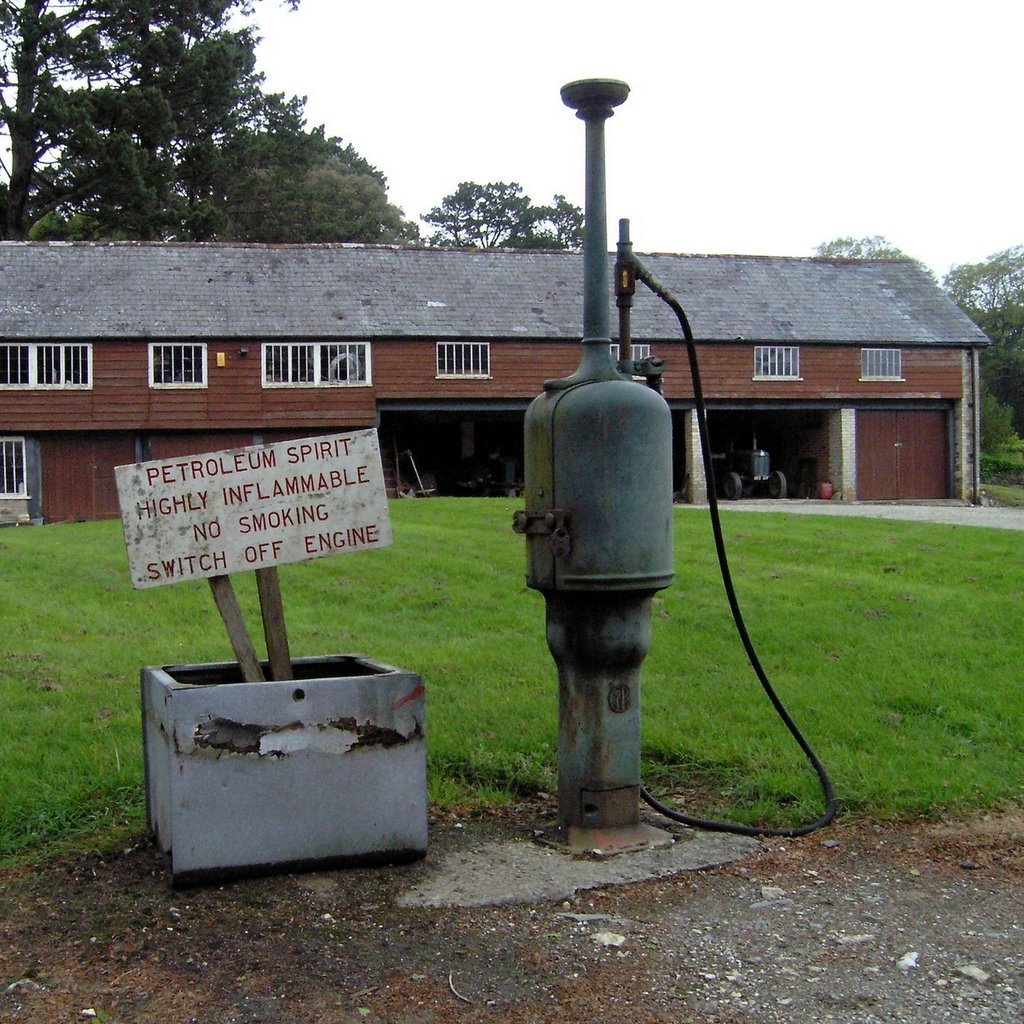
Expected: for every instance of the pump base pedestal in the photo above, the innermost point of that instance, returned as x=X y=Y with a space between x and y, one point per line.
x=605 y=842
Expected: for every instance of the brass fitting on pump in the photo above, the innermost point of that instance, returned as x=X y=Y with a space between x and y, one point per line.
x=627 y=269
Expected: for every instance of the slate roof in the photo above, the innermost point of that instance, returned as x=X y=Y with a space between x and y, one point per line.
x=117 y=290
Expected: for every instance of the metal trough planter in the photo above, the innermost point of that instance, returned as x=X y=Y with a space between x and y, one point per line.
x=324 y=770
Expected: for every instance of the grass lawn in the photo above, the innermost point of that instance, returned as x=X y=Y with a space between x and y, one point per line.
x=1011 y=497
x=897 y=647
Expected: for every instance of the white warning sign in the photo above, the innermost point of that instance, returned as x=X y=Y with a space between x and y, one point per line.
x=249 y=508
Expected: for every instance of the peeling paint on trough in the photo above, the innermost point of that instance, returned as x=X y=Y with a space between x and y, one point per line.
x=328 y=768
x=338 y=736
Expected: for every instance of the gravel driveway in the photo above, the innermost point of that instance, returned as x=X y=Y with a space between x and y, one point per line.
x=950 y=513
x=862 y=924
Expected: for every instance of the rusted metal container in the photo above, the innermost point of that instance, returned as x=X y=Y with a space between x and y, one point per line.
x=326 y=769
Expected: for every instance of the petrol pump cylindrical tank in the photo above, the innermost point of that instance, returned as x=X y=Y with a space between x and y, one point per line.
x=598 y=487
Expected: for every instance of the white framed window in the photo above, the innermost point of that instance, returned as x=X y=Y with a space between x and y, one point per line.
x=881 y=364
x=46 y=365
x=12 y=467
x=635 y=351
x=177 y=365
x=776 y=362
x=463 y=359
x=316 y=364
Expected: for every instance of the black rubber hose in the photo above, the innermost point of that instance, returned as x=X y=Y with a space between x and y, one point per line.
x=755 y=662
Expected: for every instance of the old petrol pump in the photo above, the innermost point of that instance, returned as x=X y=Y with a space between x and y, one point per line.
x=598 y=526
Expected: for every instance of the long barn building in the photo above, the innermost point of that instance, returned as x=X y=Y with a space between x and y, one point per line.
x=861 y=374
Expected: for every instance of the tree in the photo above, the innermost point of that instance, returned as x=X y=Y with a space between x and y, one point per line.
x=996 y=423
x=87 y=91
x=146 y=119
x=559 y=226
x=874 y=247
x=500 y=215
x=285 y=184
x=991 y=293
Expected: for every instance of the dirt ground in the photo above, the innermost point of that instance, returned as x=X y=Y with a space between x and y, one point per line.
x=858 y=923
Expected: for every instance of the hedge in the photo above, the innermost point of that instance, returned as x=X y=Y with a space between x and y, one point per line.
x=998 y=470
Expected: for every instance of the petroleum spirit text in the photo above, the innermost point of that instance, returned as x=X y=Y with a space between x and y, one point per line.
x=208 y=467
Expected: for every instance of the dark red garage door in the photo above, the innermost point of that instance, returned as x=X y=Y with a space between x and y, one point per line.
x=902 y=454
x=78 y=475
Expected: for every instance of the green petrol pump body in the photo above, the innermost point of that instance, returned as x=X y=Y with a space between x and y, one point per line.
x=598 y=486
x=598 y=445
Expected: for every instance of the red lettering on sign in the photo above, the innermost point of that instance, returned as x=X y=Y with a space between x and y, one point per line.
x=339 y=540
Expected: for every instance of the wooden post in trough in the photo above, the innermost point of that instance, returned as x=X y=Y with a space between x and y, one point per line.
x=274 y=631
x=241 y=643
x=251 y=509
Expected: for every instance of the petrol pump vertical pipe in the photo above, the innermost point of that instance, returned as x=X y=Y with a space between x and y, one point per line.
x=598 y=526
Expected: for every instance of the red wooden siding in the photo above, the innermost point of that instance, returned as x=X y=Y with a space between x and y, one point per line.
x=408 y=369
x=234 y=408
x=830 y=372
x=170 y=446
x=234 y=399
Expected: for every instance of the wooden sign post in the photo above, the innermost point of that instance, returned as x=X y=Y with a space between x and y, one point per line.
x=251 y=509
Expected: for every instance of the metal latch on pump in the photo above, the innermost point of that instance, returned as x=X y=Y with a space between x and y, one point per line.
x=548 y=523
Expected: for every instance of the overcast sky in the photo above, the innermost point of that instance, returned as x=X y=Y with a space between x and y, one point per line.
x=751 y=127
